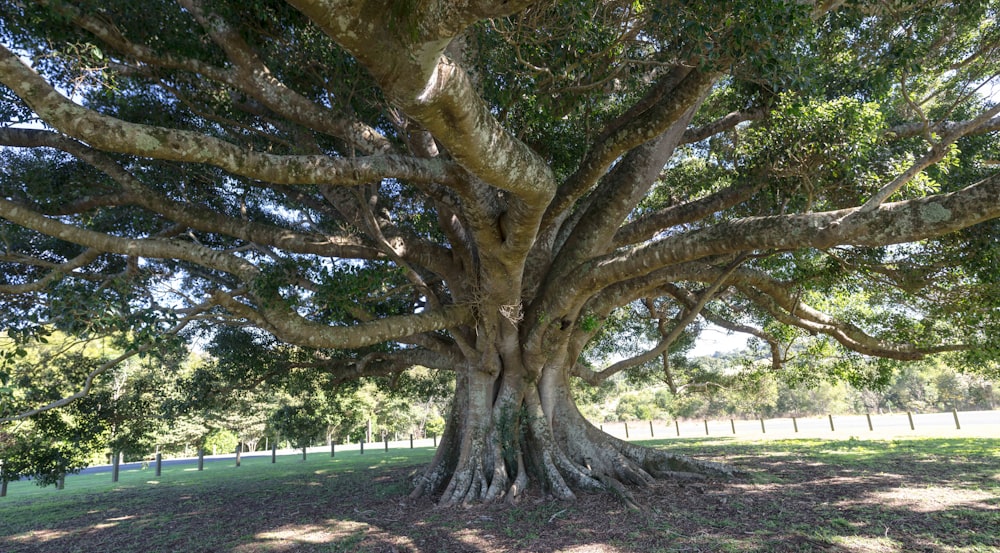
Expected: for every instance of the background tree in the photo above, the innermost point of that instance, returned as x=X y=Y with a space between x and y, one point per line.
x=344 y=190
x=118 y=414
x=299 y=424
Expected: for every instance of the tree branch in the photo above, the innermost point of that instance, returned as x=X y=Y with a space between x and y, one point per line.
x=890 y=223
x=669 y=100
x=111 y=134
x=54 y=275
x=724 y=123
x=189 y=215
x=936 y=153
x=688 y=316
x=294 y=329
x=433 y=90
x=149 y=247
x=648 y=225
x=249 y=75
x=685 y=297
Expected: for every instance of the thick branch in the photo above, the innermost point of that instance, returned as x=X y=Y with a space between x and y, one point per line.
x=149 y=247
x=190 y=215
x=670 y=100
x=909 y=130
x=647 y=226
x=890 y=223
x=778 y=299
x=54 y=275
x=111 y=134
x=794 y=313
x=433 y=90
x=294 y=329
x=249 y=75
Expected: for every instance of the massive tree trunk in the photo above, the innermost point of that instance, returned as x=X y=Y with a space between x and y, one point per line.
x=521 y=428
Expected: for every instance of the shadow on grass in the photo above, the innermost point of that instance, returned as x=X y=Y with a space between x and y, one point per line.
x=934 y=495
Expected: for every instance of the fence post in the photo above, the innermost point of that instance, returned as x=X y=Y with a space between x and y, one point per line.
x=435 y=438
x=832 y=429
x=732 y=424
x=909 y=415
x=386 y=438
x=274 y=453
x=706 y=427
x=869 y=417
x=651 y=429
x=304 y=453
x=411 y=440
x=762 y=429
x=677 y=427
x=955 y=413
x=115 y=466
x=333 y=449
x=626 y=430
x=239 y=452
x=362 y=446
x=159 y=463
x=62 y=474
x=795 y=424
x=201 y=458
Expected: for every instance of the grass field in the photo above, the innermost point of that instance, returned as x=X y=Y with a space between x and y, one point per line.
x=934 y=495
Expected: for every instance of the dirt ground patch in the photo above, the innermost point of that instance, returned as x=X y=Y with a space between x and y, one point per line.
x=853 y=496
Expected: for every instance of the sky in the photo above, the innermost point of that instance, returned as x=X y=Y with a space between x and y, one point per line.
x=717 y=339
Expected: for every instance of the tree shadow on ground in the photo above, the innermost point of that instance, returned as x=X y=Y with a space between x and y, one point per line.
x=849 y=496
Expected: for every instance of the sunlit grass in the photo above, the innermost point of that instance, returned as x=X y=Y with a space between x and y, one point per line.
x=847 y=495
x=218 y=472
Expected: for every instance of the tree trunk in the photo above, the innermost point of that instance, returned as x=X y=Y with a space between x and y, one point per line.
x=514 y=430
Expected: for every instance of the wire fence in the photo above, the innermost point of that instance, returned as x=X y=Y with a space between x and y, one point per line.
x=886 y=425
x=974 y=424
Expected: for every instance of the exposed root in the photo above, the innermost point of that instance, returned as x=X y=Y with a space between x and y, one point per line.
x=498 y=483
x=557 y=485
x=620 y=491
x=581 y=476
x=520 y=483
x=673 y=466
x=678 y=475
x=629 y=471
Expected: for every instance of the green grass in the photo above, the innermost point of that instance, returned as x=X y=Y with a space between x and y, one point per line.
x=220 y=473
x=920 y=494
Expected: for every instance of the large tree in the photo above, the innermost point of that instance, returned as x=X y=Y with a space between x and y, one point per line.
x=352 y=188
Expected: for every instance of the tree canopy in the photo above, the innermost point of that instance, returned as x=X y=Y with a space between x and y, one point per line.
x=322 y=191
